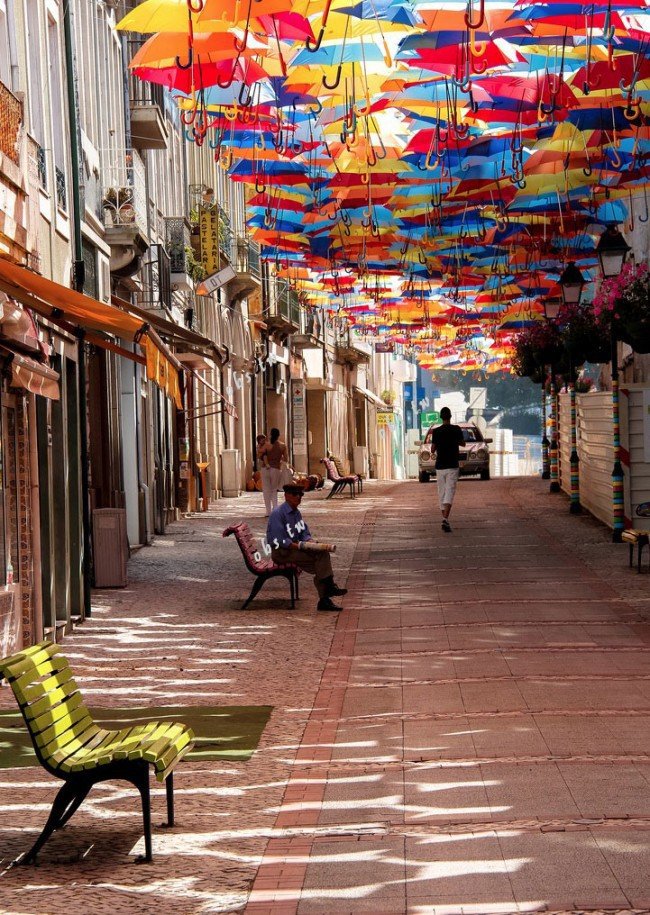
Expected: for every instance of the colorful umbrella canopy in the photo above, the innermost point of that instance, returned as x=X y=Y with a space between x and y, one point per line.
x=422 y=171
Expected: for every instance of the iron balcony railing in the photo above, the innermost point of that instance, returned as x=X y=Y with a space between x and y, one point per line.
x=178 y=241
x=287 y=305
x=124 y=198
x=245 y=257
x=156 y=279
x=11 y=117
x=61 y=194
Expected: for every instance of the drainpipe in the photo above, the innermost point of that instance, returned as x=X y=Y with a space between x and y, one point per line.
x=78 y=277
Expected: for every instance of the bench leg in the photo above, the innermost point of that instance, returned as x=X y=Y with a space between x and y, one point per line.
x=631 y=554
x=296 y=578
x=352 y=489
x=257 y=585
x=65 y=799
x=292 y=589
x=142 y=784
x=169 y=787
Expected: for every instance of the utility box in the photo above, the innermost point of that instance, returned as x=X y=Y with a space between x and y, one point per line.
x=230 y=472
x=110 y=547
x=360 y=460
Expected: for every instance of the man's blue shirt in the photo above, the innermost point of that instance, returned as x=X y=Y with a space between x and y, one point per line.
x=285 y=527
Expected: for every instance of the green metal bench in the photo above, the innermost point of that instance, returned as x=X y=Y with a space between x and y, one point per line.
x=70 y=746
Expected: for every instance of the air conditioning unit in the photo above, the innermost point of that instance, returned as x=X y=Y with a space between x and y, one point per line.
x=110 y=547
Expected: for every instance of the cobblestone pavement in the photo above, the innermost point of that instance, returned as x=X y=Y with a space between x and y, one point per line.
x=472 y=733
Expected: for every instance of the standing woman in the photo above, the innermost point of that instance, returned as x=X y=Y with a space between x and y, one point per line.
x=272 y=455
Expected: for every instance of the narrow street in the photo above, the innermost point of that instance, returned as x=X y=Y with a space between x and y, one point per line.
x=471 y=734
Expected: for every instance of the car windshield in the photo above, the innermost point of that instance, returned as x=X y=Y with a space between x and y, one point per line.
x=472 y=434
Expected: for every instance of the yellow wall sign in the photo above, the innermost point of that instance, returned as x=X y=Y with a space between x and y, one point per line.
x=385 y=418
x=209 y=235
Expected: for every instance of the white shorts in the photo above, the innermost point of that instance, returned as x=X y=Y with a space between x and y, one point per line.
x=447 y=480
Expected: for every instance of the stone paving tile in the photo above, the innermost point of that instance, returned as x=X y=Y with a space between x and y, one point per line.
x=421 y=745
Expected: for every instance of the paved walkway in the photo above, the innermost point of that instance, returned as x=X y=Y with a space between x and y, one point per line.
x=472 y=734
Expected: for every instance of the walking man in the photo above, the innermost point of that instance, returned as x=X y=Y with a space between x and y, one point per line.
x=288 y=534
x=445 y=443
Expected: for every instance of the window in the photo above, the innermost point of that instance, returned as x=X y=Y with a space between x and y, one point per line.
x=58 y=110
x=35 y=76
x=7 y=44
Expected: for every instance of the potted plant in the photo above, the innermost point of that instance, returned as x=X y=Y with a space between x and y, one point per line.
x=388 y=396
x=585 y=338
x=622 y=305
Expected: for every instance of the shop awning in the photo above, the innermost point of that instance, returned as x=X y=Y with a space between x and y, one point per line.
x=174 y=333
x=371 y=396
x=31 y=375
x=52 y=300
x=67 y=307
x=196 y=361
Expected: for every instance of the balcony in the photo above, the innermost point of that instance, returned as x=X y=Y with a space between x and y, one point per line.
x=245 y=261
x=147 y=102
x=351 y=350
x=156 y=280
x=311 y=336
x=178 y=241
x=11 y=117
x=124 y=207
x=282 y=313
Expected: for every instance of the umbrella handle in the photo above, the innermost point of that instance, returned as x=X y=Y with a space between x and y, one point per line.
x=195 y=6
x=469 y=22
x=230 y=113
x=644 y=219
x=337 y=80
x=632 y=110
x=260 y=188
x=312 y=48
x=190 y=60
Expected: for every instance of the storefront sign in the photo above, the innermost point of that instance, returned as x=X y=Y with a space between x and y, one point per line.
x=385 y=417
x=209 y=236
x=299 y=415
x=430 y=418
x=384 y=347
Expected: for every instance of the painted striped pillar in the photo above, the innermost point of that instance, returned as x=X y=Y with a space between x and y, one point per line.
x=553 y=455
x=574 y=506
x=546 y=467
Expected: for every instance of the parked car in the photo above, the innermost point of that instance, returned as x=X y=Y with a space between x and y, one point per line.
x=474 y=457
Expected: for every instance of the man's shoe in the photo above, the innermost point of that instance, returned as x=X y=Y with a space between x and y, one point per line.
x=335 y=591
x=327 y=603
x=446 y=526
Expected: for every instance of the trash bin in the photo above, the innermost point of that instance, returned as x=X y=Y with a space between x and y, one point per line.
x=110 y=547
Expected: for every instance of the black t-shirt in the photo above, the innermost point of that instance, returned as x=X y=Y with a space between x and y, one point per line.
x=447 y=439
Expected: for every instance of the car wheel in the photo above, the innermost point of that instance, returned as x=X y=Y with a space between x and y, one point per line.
x=424 y=476
x=485 y=474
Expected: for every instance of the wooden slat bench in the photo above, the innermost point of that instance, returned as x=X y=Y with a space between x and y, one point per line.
x=640 y=539
x=341 y=473
x=338 y=482
x=70 y=746
x=263 y=569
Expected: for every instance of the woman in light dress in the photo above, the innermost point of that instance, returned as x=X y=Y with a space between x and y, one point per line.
x=271 y=455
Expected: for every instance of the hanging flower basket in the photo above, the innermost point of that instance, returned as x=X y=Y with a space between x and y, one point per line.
x=537 y=346
x=623 y=304
x=585 y=338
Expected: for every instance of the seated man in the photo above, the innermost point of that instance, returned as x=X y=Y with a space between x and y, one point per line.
x=287 y=535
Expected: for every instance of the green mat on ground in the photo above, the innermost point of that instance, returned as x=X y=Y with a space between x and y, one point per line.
x=222 y=731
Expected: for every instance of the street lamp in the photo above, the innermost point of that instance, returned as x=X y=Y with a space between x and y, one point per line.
x=571 y=282
x=612 y=251
x=552 y=308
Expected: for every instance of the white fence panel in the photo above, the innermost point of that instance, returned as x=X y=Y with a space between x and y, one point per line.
x=635 y=427
x=596 y=453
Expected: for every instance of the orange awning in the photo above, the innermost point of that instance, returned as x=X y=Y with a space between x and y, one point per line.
x=52 y=300
x=63 y=305
x=32 y=375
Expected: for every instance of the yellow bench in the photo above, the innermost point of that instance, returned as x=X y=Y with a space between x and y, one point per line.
x=638 y=539
x=70 y=746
